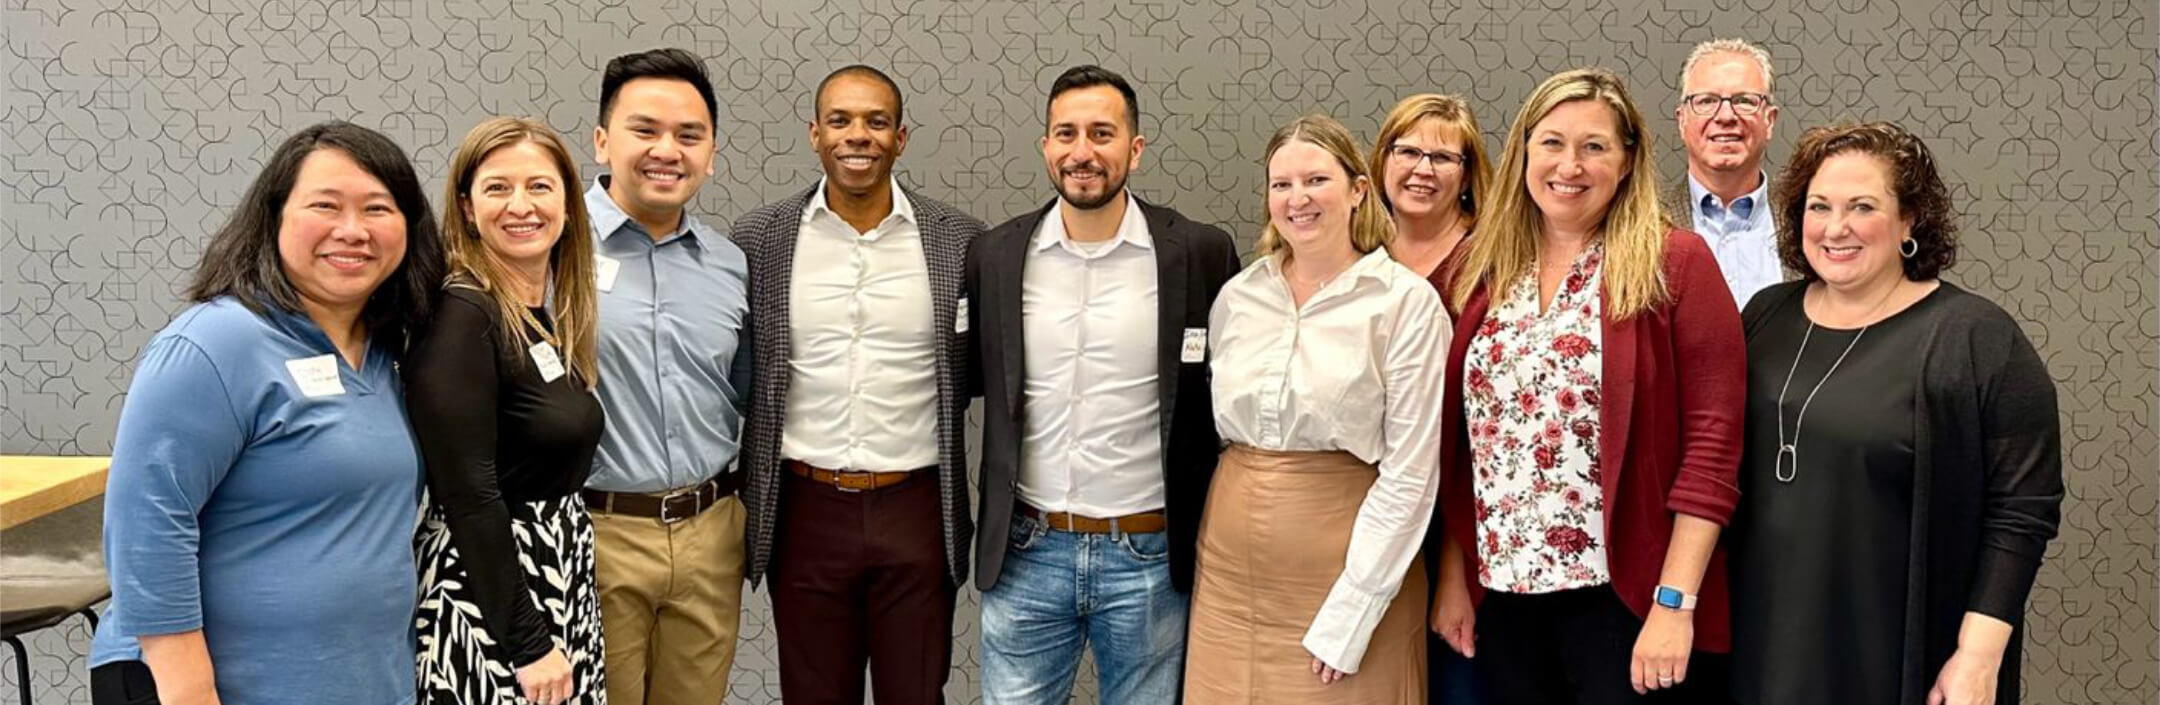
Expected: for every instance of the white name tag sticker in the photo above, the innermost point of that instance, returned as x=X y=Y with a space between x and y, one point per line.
x=960 y=317
x=604 y=271
x=550 y=364
x=1195 y=348
x=317 y=376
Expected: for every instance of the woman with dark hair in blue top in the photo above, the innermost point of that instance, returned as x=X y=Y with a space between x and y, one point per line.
x=264 y=488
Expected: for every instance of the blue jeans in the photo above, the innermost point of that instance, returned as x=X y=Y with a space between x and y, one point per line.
x=1060 y=592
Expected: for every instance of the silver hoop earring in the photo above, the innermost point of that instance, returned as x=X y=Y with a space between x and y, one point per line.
x=1908 y=247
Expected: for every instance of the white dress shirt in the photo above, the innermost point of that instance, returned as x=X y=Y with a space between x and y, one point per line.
x=862 y=346
x=1093 y=430
x=1357 y=368
x=1742 y=236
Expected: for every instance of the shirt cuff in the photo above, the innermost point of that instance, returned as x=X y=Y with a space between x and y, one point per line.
x=1344 y=626
x=137 y=628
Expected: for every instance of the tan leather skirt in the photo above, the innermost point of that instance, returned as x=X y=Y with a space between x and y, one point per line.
x=1272 y=543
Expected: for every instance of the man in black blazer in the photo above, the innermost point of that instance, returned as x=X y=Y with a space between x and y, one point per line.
x=857 y=484
x=1090 y=319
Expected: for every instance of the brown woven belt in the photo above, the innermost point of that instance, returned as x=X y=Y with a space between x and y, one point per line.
x=1142 y=523
x=669 y=507
x=850 y=480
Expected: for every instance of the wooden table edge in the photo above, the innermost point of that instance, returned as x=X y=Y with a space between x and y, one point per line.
x=55 y=498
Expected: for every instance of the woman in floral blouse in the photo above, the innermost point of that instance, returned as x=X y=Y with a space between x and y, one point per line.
x=1584 y=485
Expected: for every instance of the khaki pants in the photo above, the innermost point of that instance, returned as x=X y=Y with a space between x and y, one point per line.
x=670 y=604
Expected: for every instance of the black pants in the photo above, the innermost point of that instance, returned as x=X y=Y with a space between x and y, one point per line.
x=122 y=683
x=1573 y=646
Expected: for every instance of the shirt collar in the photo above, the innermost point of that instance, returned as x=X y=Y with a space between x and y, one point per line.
x=1132 y=230
x=300 y=325
x=1745 y=206
x=1373 y=265
x=608 y=218
x=902 y=208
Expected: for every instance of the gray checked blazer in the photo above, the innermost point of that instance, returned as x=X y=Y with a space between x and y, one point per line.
x=767 y=236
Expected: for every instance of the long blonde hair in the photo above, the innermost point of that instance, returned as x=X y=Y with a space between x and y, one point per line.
x=1370 y=226
x=1455 y=120
x=1635 y=226
x=570 y=263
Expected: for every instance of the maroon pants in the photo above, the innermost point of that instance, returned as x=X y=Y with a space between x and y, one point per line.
x=856 y=577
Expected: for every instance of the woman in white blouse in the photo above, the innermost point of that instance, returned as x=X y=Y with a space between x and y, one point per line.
x=1327 y=376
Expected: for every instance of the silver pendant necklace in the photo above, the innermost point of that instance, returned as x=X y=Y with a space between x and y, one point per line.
x=1787 y=464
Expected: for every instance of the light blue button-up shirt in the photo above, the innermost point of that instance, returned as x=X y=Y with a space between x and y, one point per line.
x=673 y=377
x=1741 y=235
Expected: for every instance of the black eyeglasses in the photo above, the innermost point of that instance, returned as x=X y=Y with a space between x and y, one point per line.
x=1409 y=156
x=1706 y=104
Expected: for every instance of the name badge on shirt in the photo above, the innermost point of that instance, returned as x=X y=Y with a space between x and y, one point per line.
x=960 y=317
x=1195 y=349
x=604 y=270
x=550 y=364
x=317 y=376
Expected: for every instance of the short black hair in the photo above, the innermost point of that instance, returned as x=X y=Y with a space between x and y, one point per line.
x=669 y=63
x=865 y=71
x=242 y=259
x=1089 y=76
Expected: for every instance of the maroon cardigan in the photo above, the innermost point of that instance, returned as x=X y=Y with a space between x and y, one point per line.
x=1674 y=391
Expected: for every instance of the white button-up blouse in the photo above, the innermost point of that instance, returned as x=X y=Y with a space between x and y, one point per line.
x=1358 y=368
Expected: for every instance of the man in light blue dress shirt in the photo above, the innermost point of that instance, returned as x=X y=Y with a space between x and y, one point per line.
x=1726 y=116
x=667 y=524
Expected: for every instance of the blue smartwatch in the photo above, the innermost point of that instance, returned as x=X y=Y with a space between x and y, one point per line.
x=1670 y=597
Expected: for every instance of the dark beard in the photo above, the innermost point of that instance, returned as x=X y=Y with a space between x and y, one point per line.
x=1112 y=190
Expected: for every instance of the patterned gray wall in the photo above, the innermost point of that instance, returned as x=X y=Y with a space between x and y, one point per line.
x=131 y=125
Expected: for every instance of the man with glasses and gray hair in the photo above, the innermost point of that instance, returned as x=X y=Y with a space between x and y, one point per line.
x=1726 y=116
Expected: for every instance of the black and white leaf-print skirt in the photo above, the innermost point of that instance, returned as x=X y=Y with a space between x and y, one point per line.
x=556 y=539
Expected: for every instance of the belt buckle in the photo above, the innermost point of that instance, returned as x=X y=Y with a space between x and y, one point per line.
x=841 y=481
x=668 y=500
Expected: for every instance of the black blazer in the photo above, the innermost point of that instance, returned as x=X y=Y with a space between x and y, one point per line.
x=1193 y=261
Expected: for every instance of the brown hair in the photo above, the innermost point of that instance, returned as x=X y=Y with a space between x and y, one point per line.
x=1370 y=227
x=570 y=263
x=1922 y=199
x=1635 y=228
x=1456 y=121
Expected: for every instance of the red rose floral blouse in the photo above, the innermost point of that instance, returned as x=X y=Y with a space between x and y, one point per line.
x=1530 y=398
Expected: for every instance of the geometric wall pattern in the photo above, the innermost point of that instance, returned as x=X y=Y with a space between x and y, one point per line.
x=131 y=126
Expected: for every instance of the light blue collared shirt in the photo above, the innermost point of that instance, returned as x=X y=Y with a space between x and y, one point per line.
x=1741 y=235
x=672 y=377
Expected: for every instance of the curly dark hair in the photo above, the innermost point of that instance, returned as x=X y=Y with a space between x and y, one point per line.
x=1921 y=196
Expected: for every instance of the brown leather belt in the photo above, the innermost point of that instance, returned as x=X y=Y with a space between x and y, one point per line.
x=1142 y=523
x=669 y=507
x=850 y=480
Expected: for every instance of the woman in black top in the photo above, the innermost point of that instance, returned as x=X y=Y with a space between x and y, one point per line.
x=1903 y=470
x=499 y=389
